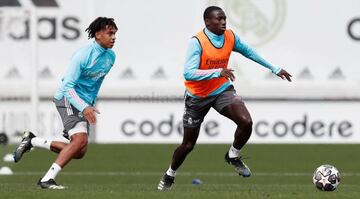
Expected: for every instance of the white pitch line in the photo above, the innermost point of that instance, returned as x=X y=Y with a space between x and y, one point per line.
x=125 y=173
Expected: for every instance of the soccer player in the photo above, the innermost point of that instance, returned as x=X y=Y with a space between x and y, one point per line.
x=75 y=100
x=208 y=84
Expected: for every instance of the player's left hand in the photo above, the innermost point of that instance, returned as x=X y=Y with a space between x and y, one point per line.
x=228 y=74
x=89 y=114
x=284 y=75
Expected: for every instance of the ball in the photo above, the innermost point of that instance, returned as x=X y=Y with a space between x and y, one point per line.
x=326 y=177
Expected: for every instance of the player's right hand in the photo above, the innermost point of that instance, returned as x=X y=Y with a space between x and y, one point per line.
x=228 y=74
x=89 y=114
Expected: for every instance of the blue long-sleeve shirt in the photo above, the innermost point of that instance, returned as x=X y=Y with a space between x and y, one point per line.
x=193 y=56
x=87 y=70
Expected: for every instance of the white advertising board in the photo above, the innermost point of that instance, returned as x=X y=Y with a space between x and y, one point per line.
x=139 y=122
x=274 y=122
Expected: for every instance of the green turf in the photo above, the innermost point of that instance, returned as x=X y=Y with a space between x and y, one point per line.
x=133 y=171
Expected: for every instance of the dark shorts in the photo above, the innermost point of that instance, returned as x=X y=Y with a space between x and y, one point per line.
x=197 y=108
x=70 y=116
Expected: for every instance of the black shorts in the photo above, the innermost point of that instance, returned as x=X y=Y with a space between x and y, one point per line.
x=197 y=108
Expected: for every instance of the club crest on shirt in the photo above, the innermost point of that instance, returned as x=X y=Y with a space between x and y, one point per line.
x=95 y=75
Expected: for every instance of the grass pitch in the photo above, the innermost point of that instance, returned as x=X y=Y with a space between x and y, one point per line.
x=133 y=171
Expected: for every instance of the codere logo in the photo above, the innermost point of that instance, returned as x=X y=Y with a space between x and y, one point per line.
x=37 y=3
x=15 y=23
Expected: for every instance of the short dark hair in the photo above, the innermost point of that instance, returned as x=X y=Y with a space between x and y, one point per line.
x=99 y=24
x=209 y=10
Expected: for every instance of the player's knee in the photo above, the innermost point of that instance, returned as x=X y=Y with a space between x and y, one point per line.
x=81 y=145
x=80 y=141
x=244 y=122
x=248 y=124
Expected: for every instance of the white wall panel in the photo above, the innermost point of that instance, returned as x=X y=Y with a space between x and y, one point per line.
x=308 y=38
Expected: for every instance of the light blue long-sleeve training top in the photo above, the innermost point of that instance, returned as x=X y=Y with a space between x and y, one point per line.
x=193 y=56
x=87 y=70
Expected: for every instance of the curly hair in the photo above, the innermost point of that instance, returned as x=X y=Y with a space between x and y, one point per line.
x=99 y=24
